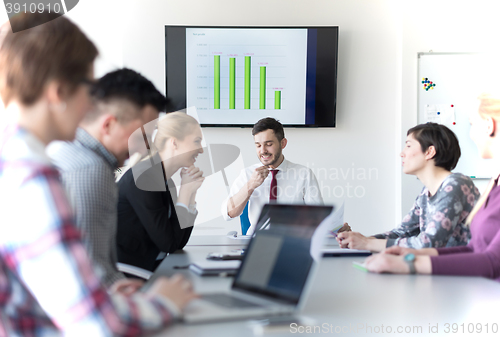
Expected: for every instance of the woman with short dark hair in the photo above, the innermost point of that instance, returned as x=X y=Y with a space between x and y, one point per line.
x=481 y=257
x=438 y=216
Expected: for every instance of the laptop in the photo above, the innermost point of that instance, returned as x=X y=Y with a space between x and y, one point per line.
x=275 y=274
x=286 y=214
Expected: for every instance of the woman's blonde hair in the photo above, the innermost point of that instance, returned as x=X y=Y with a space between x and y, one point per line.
x=175 y=124
x=489 y=106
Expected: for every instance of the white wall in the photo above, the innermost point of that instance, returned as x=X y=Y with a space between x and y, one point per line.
x=368 y=85
x=368 y=91
x=377 y=79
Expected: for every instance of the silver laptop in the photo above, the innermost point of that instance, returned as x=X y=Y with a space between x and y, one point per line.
x=276 y=273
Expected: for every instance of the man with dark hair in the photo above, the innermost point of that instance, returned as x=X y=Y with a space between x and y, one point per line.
x=269 y=123
x=287 y=183
x=123 y=101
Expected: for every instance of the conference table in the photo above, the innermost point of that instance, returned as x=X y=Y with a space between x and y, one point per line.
x=347 y=301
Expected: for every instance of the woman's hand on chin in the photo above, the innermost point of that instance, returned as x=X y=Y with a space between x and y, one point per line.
x=191 y=178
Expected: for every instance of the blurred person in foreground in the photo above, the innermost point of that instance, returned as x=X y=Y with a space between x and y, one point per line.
x=47 y=283
x=123 y=102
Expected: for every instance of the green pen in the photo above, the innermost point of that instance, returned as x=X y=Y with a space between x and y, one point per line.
x=359 y=265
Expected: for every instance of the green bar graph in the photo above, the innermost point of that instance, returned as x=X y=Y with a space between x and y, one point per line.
x=262 y=97
x=232 y=82
x=247 y=81
x=216 y=81
x=277 y=99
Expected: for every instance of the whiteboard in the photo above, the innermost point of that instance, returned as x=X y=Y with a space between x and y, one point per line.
x=457 y=80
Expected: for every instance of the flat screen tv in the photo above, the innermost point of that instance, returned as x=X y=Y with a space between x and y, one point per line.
x=235 y=76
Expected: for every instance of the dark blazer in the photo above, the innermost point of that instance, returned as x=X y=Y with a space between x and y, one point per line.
x=148 y=220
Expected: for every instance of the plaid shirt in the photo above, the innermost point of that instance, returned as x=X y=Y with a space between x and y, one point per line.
x=87 y=172
x=47 y=283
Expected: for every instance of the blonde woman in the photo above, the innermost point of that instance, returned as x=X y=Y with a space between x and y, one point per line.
x=151 y=217
x=481 y=257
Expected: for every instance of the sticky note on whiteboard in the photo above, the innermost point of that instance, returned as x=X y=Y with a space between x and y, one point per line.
x=448 y=114
x=432 y=113
x=440 y=113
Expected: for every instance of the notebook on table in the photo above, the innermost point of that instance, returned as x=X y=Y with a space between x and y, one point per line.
x=339 y=252
x=209 y=268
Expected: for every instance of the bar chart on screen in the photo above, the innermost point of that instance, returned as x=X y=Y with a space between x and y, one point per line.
x=239 y=76
x=277 y=74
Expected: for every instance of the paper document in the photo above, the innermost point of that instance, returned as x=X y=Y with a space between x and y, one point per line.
x=440 y=113
x=338 y=221
x=331 y=223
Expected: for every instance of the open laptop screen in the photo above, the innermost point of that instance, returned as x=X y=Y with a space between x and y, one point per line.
x=283 y=214
x=278 y=260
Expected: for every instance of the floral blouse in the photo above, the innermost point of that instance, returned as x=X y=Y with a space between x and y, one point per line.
x=438 y=220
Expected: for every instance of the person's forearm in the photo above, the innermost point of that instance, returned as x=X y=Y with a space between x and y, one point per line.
x=485 y=264
x=454 y=250
x=236 y=204
x=181 y=233
x=386 y=235
x=423 y=264
x=192 y=200
x=187 y=199
x=184 y=216
x=184 y=196
x=427 y=252
x=186 y=235
x=376 y=245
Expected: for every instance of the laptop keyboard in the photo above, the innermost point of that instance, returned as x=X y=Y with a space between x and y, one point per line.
x=228 y=301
